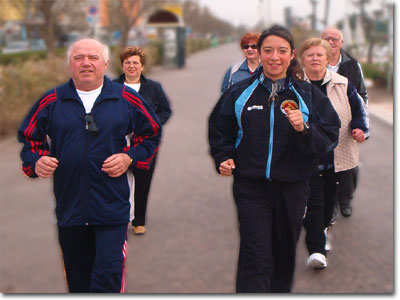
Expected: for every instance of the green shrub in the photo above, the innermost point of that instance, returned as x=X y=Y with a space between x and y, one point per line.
x=194 y=45
x=376 y=72
x=21 y=84
x=19 y=57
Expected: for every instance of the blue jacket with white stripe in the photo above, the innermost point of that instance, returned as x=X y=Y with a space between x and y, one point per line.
x=249 y=126
x=84 y=193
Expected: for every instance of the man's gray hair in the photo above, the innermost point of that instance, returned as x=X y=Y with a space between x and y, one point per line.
x=105 y=52
x=334 y=28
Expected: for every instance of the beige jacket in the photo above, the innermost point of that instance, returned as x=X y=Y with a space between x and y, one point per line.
x=346 y=154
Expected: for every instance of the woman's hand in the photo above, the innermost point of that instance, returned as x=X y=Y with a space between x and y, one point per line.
x=295 y=118
x=226 y=167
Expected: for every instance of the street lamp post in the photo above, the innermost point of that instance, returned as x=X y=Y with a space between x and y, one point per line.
x=314 y=15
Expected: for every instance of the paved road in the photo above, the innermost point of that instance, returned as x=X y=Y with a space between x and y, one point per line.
x=192 y=239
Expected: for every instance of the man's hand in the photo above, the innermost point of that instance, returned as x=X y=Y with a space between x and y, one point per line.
x=226 y=167
x=116 y=164
x=45 y=166
x=295 y=118
x=358 y=135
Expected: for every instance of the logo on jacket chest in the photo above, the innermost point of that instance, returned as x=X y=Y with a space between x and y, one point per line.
x=255 y=107
x=290 y=104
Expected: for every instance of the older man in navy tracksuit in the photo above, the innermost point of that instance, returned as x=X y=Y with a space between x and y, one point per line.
x=87 y=120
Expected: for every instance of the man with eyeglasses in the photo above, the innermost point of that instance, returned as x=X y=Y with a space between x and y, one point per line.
x=246 y=67
x=347 y=66
x=86 y=119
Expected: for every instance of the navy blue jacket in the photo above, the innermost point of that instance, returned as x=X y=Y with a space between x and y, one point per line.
x=84 y=193
x=154 y=94
x=254 y=131
x=351 y=69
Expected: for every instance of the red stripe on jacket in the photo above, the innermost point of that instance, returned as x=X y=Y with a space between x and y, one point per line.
x=42 y=104
x=137 y=102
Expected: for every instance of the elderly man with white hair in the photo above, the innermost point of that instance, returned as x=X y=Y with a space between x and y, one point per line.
x=344 y=64
x=86 y=119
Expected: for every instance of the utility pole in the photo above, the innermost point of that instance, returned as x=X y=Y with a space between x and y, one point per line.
x=314 y=15
x=327 y=4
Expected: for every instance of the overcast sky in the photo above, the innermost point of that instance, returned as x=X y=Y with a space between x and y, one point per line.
x=248 y=12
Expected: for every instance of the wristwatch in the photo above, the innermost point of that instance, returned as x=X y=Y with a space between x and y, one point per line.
x=306 y=128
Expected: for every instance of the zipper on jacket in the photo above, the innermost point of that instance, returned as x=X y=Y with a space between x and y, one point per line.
x=271 y=138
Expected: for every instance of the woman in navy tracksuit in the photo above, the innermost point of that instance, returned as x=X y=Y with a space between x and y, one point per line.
x=268 y=131
x=133 y=61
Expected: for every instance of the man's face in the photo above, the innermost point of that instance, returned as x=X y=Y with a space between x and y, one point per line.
x=333 y=37
x=87 y=64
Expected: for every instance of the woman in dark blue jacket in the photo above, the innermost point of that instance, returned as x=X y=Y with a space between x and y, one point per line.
x=267 y=131
x=133 y=61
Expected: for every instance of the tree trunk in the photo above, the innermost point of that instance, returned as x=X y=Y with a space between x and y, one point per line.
x=124 y=36
x=371 y=51
x=48 y=26
x=50 y=38
x=326 y=19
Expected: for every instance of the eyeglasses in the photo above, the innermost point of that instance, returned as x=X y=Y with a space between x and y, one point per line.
x=335 y=40
x=134 y=63
x=90 y=125
x=252 y=46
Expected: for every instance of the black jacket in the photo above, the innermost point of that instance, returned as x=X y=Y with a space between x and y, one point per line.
x=247 y=127
x=351 y=69
x=154 y=94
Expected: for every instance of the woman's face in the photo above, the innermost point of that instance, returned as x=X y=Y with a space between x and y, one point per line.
x=250 y=50
x=275 y=55
x=132 y=67
x=315 y=60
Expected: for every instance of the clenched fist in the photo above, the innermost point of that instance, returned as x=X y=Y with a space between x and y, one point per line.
x=116 y=164
x=358 y=135
x=226 y=167
x=45 y=166
x=295 y=118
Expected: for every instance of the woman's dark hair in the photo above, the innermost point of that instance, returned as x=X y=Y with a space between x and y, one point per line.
x=294 y=68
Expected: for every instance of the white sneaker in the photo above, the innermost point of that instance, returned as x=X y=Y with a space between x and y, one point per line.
x=317 y=261
x=328 y=240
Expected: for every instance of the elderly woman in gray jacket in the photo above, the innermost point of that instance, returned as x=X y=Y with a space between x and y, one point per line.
x=343 y=96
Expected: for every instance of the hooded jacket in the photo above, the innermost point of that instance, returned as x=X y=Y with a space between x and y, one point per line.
x=249 y=125
x=85 y=195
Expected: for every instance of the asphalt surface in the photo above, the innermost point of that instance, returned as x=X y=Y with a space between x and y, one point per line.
x=192 y=240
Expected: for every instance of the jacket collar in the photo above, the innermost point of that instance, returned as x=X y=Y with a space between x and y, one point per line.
x=122 y=78
x=69 y=91
x=282 y=83
x=245 y=67
x=329 y=76
x=345 y=57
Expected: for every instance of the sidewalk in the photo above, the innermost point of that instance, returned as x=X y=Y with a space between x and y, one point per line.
x=380 y=104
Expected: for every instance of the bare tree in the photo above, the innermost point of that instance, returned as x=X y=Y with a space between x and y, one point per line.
x=124 y=14
x=368 y=25
x=46 y=14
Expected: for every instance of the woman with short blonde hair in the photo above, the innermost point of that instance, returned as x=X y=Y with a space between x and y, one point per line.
x=343 y=96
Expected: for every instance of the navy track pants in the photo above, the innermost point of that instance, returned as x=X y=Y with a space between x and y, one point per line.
x=94 y=257
x=142 y=188
x=270 y=218
x=320 y=206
